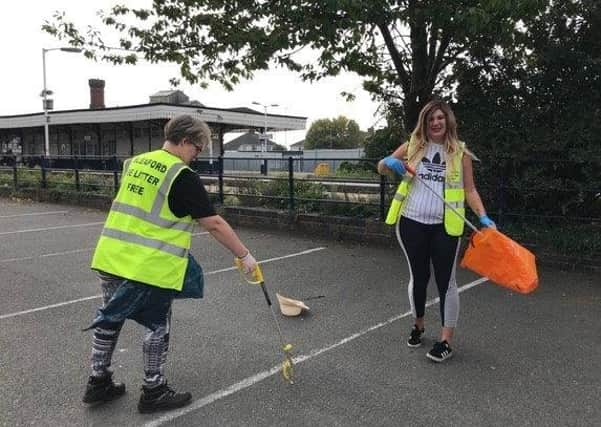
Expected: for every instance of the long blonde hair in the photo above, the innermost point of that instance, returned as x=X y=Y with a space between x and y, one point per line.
x=419 y=136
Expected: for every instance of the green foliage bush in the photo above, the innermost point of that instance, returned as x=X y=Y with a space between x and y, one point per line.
x=357 y=170
x=59 y=181
x=556 y=235
x=308 y=197
x=383 y=142
x=29 y=178
x=6 y=178
x=306 y=194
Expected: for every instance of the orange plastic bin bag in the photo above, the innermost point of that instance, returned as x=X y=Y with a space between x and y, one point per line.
x=492 y=254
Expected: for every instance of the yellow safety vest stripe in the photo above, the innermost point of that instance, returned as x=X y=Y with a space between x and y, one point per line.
x=145 y=241
x=139 y=213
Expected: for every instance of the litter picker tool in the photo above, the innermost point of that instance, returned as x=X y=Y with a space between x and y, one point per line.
x=492 y=254
x=416 y=176
x=256 y=278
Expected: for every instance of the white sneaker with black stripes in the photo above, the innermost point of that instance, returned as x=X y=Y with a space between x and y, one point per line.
x=440 y=352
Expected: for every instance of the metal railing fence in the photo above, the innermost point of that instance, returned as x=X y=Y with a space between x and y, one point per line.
x=527 y=194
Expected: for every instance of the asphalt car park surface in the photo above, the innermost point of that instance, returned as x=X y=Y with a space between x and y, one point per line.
x=519 y=359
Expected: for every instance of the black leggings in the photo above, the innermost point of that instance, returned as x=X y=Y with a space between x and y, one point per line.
x=424 y=244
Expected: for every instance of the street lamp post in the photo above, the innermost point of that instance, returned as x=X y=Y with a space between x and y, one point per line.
x=45 y=94
x=265 y=106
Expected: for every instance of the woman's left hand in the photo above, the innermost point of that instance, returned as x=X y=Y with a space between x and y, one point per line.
x=485 y=221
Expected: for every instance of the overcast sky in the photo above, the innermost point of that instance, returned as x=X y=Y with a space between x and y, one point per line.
x=67 y=75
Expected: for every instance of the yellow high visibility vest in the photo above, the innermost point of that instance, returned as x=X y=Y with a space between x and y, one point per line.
x=142 y=239
x=454 y=194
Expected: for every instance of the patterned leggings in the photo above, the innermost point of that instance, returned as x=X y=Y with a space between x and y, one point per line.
x=155 y=345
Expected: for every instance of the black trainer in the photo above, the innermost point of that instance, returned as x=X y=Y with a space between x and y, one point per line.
x=440 y=352
x=161 y=398
x=415 y=339
x=102 y=389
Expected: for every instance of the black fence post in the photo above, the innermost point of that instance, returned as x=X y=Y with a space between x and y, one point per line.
x=15 y=176
x=264 y=170
x=76 y=166
x=382 y=196
x=43 y=166
x=115 y=175
x=291 y=184
x=221 y=198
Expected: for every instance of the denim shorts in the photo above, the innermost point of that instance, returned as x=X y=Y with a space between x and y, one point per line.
x=147 y=305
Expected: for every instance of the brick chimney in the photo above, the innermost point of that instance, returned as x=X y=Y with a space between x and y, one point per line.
x=96 y=94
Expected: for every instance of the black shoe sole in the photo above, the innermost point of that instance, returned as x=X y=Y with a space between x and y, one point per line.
x=101 y=399
x=154 y=408
x=413 y=345
x=438 y=359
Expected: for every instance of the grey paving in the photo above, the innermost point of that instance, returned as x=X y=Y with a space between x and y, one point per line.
x=520 y=360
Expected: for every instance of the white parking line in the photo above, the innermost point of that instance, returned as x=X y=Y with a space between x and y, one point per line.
x=308 y=251
x=254 y=379
x=61 y=304
x=58 y=227
x=33 y=214
x=47 y=307
x=74 y=251
x=27 y=258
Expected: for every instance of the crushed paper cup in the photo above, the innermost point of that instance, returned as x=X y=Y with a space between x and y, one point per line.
x=289 y=306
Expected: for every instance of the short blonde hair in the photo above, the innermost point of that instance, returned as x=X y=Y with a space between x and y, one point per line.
x=186 y=126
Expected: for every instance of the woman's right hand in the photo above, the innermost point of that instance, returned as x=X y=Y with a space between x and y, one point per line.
x=394 y=165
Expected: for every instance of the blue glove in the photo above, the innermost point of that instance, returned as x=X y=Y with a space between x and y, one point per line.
x=487 y=222
x=395 y=165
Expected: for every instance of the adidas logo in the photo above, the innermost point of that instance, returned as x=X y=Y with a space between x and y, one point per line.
x=435 y=169
x=435 y=165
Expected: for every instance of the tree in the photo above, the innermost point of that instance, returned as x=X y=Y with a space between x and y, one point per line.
x=403 y=48
x=334 y=133
x=548 y=90
x=382 y=142
x=543 y=97
x=534 y=115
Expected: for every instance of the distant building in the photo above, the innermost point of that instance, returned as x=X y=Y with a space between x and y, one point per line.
x=99 y=133
x=252 y=141
x=298 y=146
x=171 y=97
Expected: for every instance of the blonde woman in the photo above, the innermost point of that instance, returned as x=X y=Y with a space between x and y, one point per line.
x=429 y=232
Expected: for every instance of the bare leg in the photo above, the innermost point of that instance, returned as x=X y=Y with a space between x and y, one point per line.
x=447 y=334
x=420 y=323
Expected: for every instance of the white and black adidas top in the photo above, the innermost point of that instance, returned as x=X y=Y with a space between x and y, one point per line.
x=422 y=205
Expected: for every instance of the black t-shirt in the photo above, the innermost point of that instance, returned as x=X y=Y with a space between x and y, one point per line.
x=189 y=197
